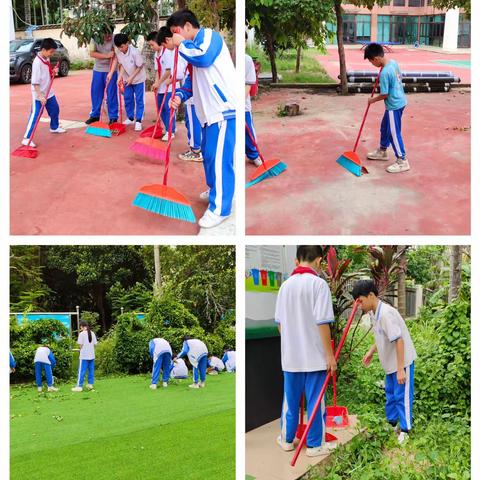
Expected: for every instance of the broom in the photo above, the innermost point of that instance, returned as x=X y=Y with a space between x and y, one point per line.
x=268 y=168
x=350 y=160
x=162 y=199
x=325 y=384
x=155 y=130
x=27 y=151
x=117 y=128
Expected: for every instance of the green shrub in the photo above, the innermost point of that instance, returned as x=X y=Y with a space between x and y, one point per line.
x=168 y=312
x=81 y=65
x=105 y=360
x=93 y=319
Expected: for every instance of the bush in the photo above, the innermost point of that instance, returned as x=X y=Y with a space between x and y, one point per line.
x=105 y=361
x=93 y=319
x=168 y=312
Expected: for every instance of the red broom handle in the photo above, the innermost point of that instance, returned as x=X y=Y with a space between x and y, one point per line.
x=325 y=384
x=102 y=110
x=120 y=106
x=366 y=111
x=172 y=114
x=255 y=144
x=334 y=381
x=159 y=111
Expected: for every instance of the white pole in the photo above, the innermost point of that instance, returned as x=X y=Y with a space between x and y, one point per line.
x=450 y=33
x=12 y=24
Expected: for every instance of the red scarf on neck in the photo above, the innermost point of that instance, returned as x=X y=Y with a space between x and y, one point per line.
x=300 y=269
x=47 y=63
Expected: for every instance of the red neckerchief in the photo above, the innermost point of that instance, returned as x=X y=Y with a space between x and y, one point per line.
x=47 y=63
x=159 y=66
x=300 y=269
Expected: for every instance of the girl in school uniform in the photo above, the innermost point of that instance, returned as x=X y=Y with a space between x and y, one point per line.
x=44 y=361
x=161 y=352
x=86 y=341
x=197 y=353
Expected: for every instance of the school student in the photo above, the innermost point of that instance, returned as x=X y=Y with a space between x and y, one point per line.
x=133 y=75
x=13 y=363
x=42 y=74
x=104 y=56
x=214 y=365
x=303 y=314
x=86 y=341
x=396 y=353
x=197 y=353
x=230 y=360
x=393 y=95
x=179 y=369
x=161 y=353
x=212 y=86
x=251 y=151
x=44 y=361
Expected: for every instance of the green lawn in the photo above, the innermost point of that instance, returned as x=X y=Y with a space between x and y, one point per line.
x=310 y=70
x=124 y=430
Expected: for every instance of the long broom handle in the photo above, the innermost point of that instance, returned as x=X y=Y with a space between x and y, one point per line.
x=37 y=121
x=325 y=384
x=172 y=114
x=255 y=144
x=366 y=111
x=159 y=112
x=102 y=110
x=334 y=381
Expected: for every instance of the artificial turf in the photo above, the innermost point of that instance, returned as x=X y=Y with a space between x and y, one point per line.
x=124 y=430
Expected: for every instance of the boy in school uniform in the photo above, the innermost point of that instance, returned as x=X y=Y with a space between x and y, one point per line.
x=179 y=369
x=13 y=363
x=303 y=314
x=132 y=73
x=215 y=365
x=87 y=342
x=250 y=80
x=42 y=75
x=104 y=55
x=392 y=93
x=396 y=354
x=230 y=360
x=197 y=353
x=161 y=353
x=212 y=85
x=44 y=361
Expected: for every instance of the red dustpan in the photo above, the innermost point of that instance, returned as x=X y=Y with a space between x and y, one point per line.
x=155 y=131
x=337 y=417
x=117 y=128
x=302 y=426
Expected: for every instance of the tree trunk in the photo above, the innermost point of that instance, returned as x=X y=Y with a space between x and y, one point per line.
x=181 y=4
x=157 y=289
x=402 y=293
x=28 y=11
x=455 y=271
x=297 y=63
x=341 y=48
x=98 y=292
x=271 y=55
x=47 y=20
x=34 y=6
x=41 y=12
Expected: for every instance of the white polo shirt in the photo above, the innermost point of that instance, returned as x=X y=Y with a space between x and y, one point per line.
x=179 y=368
x=87 y=350
x=41 y=77
x=215 y=362
x=130 y=61
x=304 y=302
x=389 y=326
x=166 y=63
x=41 y=355
x=250 y=79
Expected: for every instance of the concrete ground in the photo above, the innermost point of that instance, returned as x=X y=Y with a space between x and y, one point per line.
x=84 y=185
x=315 y=196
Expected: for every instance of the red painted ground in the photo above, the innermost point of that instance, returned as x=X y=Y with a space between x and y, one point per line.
x=84 y=185
x=316 y=196
x=408 y=58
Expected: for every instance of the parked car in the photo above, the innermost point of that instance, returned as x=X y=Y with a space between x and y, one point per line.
x=22 y=54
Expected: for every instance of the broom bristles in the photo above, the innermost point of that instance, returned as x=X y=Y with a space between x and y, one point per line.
x=272 y=171
x=99 y=129
x=25 y=151
x=150 y=147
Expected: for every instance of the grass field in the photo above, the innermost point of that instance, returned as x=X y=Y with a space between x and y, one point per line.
x=124 y=430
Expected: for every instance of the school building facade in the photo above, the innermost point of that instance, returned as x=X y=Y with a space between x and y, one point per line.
x=406 y=22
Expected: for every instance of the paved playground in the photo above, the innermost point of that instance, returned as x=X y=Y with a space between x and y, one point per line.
x=316 y=196
x=84 y=185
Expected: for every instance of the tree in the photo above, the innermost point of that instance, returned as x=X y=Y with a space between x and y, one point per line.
x=158 y=277
x=401 y=287
x=448 y=4
x=455 y=272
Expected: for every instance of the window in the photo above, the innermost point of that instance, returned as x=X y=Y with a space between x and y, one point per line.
x=464 y=29
x=399 y=3
x=416 y=3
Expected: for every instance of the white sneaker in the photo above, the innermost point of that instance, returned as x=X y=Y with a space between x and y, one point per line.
x=288 y=447
x=194 y=385
x=191 y=156
x=317 y=451
x=52 y=389
x=77 y=389
x=165 y=137
x=205 y=195
x=213 y=372
x=257 y=162
x=153 y=386
x=89 y=386
x=378 y=154
x=138 y=127
x=25 y=142
x=210 y=219
x=399 y=166
x=402 y=438
x=39 y=389
x=128 y=122
x=165 y=384
x=58 y=130
x=201 y=384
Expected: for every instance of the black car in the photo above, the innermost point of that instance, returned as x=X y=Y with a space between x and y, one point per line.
x=22 y=54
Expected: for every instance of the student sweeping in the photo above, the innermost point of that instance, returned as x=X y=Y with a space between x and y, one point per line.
x=103 y=54
x=212 y=85
x=161 y=353
x=133 y=75
x=179 y=368
x=13 y=363
x=250 y=80
x=396 y=354
x=197 y=353
x=86 y=341
x=230 y=360
x=42 y=74
x=393 y=95
x=44 y=361
x=304 y=313
x=214 y=365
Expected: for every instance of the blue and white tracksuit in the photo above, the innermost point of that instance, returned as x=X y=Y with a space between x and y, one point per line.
x=44 y=361
x=197 y=353
x=84 y=367
x=391 y=132
x=97 y=89
x=230 y=360
x=134 y=97
x=52 y=109
x=212 y=85
x=295 y=383
x=250 y=149
x=87 y=357
x=399 y=399
x=161 y=353
x=193 y=126
x=13 y=363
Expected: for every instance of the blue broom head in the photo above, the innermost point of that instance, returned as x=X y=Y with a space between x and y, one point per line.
x=164 y=207
x=272 y=171
x=349 y=165
x=99 y=132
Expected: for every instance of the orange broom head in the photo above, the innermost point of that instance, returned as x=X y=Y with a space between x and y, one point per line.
x=151 y=147
x=265 y=167
x=117 y=128
x=354 y=158
x=25 y=151
x=148 y=132
x=165 y=192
